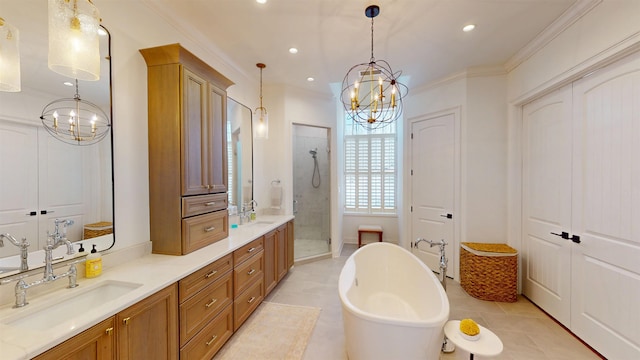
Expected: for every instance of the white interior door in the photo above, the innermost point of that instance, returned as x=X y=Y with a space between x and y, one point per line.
x=432 y=187
x=66 y=173
x=606 y=210
x=18 y=181
x=546 y=260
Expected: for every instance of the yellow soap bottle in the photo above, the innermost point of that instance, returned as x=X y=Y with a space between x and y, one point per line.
x=93 y=264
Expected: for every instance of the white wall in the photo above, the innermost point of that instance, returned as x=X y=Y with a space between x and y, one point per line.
x=480 y=96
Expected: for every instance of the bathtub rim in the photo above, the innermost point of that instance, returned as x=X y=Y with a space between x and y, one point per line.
x=345 y=284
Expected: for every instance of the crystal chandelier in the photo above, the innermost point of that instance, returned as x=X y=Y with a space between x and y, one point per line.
x=371 y=93
x=74 y=46
x=75 y=121
x=260 y=117
x=9 y=58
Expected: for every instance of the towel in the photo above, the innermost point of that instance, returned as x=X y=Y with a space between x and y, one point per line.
x=276 y=196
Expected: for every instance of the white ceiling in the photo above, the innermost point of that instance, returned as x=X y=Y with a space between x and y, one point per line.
x=423 y=38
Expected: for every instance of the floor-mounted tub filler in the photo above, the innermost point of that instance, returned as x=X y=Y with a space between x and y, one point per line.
x=393 y=306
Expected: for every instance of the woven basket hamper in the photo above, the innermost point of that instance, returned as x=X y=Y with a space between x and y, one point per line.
x=97 y=229
x=489 y=271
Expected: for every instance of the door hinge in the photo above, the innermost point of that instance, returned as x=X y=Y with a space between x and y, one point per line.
x=411 y=208
x=411 y=136
x=411 y=172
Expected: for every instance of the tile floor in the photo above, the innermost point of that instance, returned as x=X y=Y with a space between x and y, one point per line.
x=526 y=332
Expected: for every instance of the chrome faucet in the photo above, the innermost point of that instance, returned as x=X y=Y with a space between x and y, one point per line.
x=443 y=259
x=24 y=249
x=245 y=211
x=53 y=241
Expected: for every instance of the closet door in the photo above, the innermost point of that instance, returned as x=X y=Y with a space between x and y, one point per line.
x=546 y=260
x=606 y=210
x=432 y=184
x=19 y=184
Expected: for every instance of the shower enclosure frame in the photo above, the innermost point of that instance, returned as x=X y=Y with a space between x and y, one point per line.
x=311 y=203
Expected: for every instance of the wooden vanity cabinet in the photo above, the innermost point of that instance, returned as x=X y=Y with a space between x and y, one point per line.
x=206 y=311
x=290 y=241
x=278 y=255
x=248 y=280
x=149 y=328
x=95 y=343
x=187 y=105
x=145 y=330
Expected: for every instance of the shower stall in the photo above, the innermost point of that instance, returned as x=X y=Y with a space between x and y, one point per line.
x=311 y=191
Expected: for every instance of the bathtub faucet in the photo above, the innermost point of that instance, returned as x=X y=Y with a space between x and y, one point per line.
x=443 y=258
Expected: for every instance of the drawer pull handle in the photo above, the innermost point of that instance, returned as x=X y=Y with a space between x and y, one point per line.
x=213 y=301
x=109 y=331
x=211 y=273
x=209 y=229
x=251 y=272
x=126 y=320
x=251 y=300
x=212 y=340
x=251 y=250
x=211 y=203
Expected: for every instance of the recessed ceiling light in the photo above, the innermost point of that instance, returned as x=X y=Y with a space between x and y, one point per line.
x=67 y=83
x=293 y=50
x=310 y=79
x=261 y=1
x=468 y=28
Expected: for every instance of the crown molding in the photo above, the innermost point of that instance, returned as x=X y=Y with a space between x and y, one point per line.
x=568 y=18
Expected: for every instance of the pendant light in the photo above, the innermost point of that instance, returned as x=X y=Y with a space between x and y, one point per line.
x=371 y=93
x=74 y=46
x=260 y=117
x=9 y=57
x=75 y=121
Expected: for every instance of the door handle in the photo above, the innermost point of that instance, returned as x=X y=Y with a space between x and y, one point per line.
x=564 y=235
x=448 y=216
x=575 y=239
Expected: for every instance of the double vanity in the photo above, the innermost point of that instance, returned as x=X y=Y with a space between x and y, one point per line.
x=156 y=306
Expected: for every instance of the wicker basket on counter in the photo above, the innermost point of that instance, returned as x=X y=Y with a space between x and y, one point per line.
x=97 y=229
x=489 y=271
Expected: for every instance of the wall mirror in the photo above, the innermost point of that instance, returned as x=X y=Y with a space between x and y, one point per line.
x=43 y=178
x=240 y=153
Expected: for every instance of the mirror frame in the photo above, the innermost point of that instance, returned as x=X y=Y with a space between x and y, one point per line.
x=102 y=245
x=250 y=137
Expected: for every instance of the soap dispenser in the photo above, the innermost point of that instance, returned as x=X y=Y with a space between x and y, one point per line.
x=93 y=264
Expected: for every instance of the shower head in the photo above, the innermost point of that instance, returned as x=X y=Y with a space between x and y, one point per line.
x=313 y=152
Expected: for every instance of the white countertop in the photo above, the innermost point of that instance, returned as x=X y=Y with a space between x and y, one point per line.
x=153 y=271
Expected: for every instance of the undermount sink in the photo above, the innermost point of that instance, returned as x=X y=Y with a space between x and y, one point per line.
x=263 y=222
x=71 y=305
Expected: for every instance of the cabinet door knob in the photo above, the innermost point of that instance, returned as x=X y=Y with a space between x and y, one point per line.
x=251 y=272
x=212 y=340
x=210 y=303
x=251 y=300
x=209 y=229
x=251 y=250
x=126 y=320
x=211 y=273
x=210 y=203
x=109 y=331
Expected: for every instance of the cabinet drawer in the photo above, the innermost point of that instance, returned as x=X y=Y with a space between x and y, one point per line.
x=204 y=306
x=208 y=341
x=247 y=251
x=204 y=277
x=246 y=274
x=246 y=303
x=202 y=230
x=196 y=205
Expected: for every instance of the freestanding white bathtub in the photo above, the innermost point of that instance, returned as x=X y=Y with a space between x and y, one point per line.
x=393 y=306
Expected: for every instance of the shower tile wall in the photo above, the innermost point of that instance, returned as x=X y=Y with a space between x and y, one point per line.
x=311 y=209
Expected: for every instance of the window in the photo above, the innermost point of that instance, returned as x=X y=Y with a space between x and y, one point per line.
x=369 y=169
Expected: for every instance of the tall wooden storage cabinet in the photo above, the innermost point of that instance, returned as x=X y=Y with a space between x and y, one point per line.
x=187 y=102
